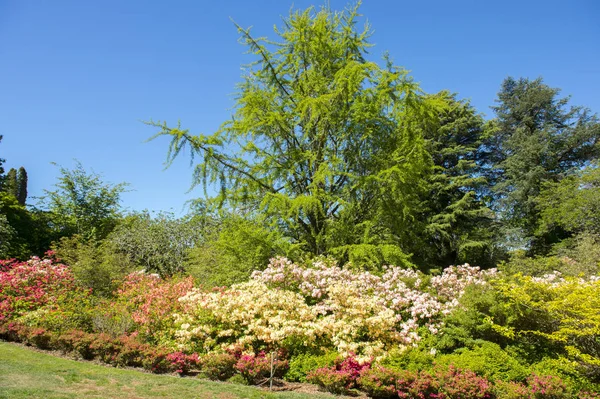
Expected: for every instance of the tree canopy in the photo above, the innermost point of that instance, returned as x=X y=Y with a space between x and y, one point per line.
x=328 y=145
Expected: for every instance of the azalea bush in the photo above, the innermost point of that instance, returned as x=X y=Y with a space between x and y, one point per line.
x=151 y=302
x=321 y=304
x=28 y=286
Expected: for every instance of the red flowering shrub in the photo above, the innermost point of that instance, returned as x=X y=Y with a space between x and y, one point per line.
x=218 y=366
x=13 y=331
x=183 y=363
x=512 y=390
x=255 y=368
x=132 y=351
x=339 y=378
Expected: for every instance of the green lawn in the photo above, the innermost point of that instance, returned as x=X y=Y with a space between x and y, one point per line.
x=26 y=373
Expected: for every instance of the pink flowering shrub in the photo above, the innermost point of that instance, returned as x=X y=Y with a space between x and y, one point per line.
x=547 y=387
x=152 y=301
x=455 y=383
x=27 y=286
x=379 y=382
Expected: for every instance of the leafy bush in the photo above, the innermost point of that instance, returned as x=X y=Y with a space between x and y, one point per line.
x=304 y=363
x=239 y=247
x=380 y=382
x=27 y=286
x=255 y=368
x=341 y=377
x=183 y=363
x=218 y=366
x=95 y=264
x=487 y=360
x=412 y=359
x=455 y=383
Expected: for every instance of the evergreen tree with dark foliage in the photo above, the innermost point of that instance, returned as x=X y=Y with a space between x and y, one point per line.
x=457 y=223
x=22 y=186
x=539 y=139
x=2 y=160
x=10 y=183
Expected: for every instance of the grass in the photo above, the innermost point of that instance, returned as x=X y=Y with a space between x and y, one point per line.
x=25 y=373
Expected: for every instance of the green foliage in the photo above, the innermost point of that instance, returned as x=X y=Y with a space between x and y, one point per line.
x=466 y=326
x=412 y=360
x=304 y=363
x=572 y=204
x=578 y=256
x=330 y=145
x=156 y=244
x=18 y=228
x=83 y=204
x=538 y=140
x=233 y=251
x=10 y=183
x=488 y=360
x=455 y=221
x=95 y=265
x=7 y=234
x=22 y=186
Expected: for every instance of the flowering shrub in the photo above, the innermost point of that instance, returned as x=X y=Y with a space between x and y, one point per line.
x=354 y=312
x=183 y=363
x=455 y=383
x=379 y=382
x=27 y=286
x=547 y=387
x=247 y=314
x=151 y=301
x=255 y=368
x=341 y=377
x=331 y=380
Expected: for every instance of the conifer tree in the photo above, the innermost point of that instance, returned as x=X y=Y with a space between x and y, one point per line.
x=539 y=139
x=456 y=222
x=10 y=184
x=22 y=186
x=2 y=177
x=330 y=145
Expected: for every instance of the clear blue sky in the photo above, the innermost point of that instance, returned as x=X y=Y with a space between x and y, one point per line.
x=78 y=77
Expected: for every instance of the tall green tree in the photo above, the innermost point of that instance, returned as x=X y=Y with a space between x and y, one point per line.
x=456 y=224
x=2 y=160
x=539 y=139
x=22 y=186
x=325 y=143
x=10 y=183
x=83 y=204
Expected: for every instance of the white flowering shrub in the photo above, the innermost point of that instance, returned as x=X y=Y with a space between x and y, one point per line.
x=322 y=305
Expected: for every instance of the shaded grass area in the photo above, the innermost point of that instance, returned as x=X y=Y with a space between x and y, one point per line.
x=26 y=373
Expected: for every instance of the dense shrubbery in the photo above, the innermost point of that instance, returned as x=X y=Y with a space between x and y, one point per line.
x=462 y=334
